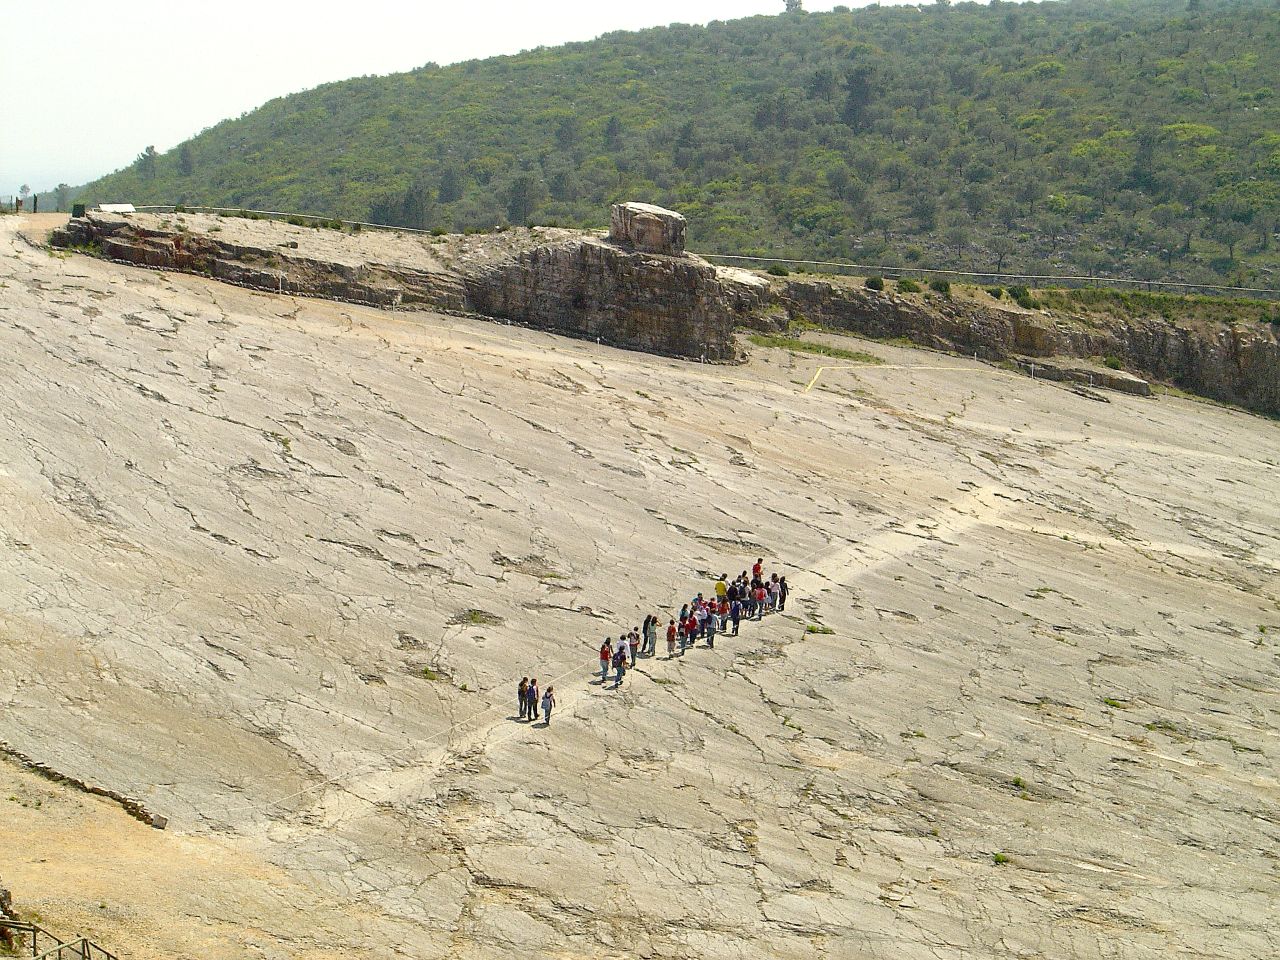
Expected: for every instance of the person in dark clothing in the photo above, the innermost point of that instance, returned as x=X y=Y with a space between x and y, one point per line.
x=531 y=697
x=782 y=593
x=523 y=693
x=735 y=614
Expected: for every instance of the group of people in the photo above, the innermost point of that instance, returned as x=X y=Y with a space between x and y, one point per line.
x=746 y=597
x=530 y=700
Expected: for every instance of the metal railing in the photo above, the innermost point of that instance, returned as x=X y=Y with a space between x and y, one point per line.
x=81 y=948
x=898 y=271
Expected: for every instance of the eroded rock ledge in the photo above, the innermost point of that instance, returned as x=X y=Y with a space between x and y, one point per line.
x=563 y=281
x=622 y=292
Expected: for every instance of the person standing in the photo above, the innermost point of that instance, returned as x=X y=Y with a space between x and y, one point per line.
x=672 y=633
x=735 y=614
x=620 y=665
x=711 y=631
x=782 y=593
x=606 y=658
x=761 y=593
x=523 y=693
x=757 y=570
x=635 y=645
x=532 y=699
x=548 y=702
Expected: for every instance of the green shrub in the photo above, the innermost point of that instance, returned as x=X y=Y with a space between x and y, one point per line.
x=913 y=253
x=778 y=270
x=908 y=286
x=439 y=232
x=296 y=221
x=996 y=292
x=875 y=283
x=1022 y=297
x=941 y=286
x=179 y=208
x=1113 y=363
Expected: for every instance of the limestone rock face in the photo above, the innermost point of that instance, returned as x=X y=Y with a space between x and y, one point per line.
x=1236 y=364
x=591 y=289
x=633 y=291
x=647 y=228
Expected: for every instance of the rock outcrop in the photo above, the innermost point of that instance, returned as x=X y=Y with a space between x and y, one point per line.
x=678 y=306
x=1234 y=363
x=567 y=282
x=647 y=228
x=637 y=290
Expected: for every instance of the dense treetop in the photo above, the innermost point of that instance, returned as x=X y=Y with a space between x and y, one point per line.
x=1127 y=137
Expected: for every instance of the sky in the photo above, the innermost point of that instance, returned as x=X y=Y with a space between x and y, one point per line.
x=89 y=84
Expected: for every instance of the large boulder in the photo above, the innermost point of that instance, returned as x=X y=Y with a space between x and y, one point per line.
x=647 y=228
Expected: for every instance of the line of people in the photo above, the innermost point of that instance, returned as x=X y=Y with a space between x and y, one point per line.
x=702 y=618
x=530 y=700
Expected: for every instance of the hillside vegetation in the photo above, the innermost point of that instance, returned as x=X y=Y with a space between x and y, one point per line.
x=1134 y=138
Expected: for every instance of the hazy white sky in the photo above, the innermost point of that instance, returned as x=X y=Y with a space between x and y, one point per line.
x=88 y=84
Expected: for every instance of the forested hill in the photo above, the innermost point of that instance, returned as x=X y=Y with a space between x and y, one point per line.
x=1134 y=137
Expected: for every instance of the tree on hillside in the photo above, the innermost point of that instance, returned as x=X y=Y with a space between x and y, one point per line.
x=523 y=195
x=62 y=197
x=145 y=164
x=613 y=133
x=451 y=184
x=858 y=93
x=186 y=160
x=822 y=84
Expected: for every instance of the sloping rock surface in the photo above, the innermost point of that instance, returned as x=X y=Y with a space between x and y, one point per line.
x=274 y=567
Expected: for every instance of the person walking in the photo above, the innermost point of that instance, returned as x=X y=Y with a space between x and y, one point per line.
x=782 y=593
x=672 y=633
x=523 y=693
x=548 y=703
x=532 y=698
x=620 y=665
x=606 y=658
x=757 y=570
x=735 y=614
x=761 y=593
x=711 y=631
